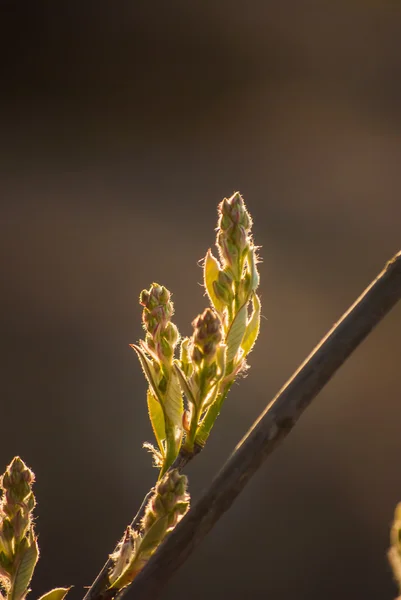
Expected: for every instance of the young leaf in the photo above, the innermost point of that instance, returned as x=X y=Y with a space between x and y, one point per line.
x=252 y=268
x=211 y=270
x=24 y=571
x=156 y=417
x=185 y=385
x=148 y=370
x=236 y=333
x=221 y=358
x=211 y=397
x=252 y=328
x=56 y=594
x=173 y=403
x=154 y=536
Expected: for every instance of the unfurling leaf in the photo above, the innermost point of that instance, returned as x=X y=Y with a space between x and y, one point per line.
x=156 y=417
x=252 y=328
x=211 y=271
x=148 y=370
x=23 y=574
x=154 y=535
x=236 y=333
x=173 y=406
x=252 y=268
x=185 y=385
x=173 y=403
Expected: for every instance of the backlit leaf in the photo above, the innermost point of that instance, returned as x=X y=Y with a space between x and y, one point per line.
x=236 y=333
x=56 y=594
x=211 y=270
x=24 y=571
x=148 y=370
x=156 y=417
x=252 y=328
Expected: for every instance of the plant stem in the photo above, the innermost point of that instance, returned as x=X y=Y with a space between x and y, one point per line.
x=273 y=425
x=210 y=417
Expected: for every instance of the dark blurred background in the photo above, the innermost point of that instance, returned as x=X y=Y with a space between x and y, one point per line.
x=123 y=124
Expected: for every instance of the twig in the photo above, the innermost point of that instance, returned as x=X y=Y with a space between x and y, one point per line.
x=272 y=426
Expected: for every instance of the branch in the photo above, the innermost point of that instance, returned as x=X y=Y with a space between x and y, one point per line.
x=272 y=426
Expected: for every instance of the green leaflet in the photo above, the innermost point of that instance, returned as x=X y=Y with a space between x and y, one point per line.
x=221 y=357
x=24 y=570
x=145 y=549
x=149 y=371
x=172 y=402
x=211 y=270
x=185 y=385
x=154 y=536
x=211 y=397
x=173 y=407
x=204 y=429
x=156 y=417
x=252 y=268
x=236 y=333
x=56 y=594
x=252 y=328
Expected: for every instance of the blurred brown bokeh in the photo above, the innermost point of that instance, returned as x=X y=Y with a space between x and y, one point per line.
x=123 y=124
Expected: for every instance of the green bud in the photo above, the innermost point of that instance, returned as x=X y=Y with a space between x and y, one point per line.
x=171 y=520
x=196 y=355
x=181 y=508
x=170 y=333
x=167 y=350
x=239 y=239
x=245 y=287
x=225 y=217
x=233 y=212
x=222 y=293
x=29 y=503
x=6 y=480
x=148 y=519
x=157 y=307
x=181 y=486
x=5 y=562
x=226 y=280
x=7 y=530
x=20 y=524
x=207 y=335
x=233 y=234
x=211 y=370
x=169 y=501
x=158 y=505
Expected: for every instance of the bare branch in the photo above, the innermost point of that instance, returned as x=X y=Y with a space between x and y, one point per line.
x=272 y=426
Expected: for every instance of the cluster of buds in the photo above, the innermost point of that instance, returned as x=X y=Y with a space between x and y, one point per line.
x=206 y=338
x=394 y=554
x=164 y=510
x=231 y=283
x=17 y=538
x=161 y=334
x=170 y=502
x=202 y=366
x=215 y=354
x=233 y=234
x=156 y=355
